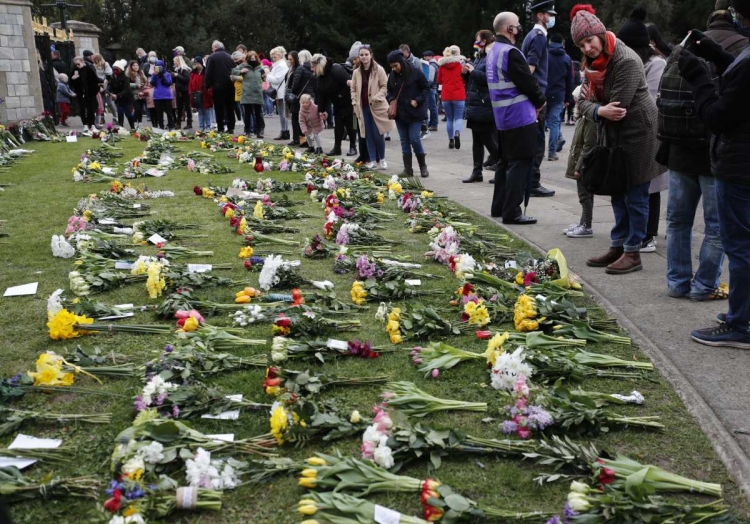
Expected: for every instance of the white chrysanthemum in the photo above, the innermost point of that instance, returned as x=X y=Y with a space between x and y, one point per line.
x=372 y=434
x=268 y=277
x=466 y=264
x=508 y=368
x=153 y=453
x=383 y=455
x=155 y=387
x=61 y=248
x=54 y=304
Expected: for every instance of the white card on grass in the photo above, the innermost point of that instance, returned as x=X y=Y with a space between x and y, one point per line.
x=156 y=238
x=28 y=442
x=18 y=462
x=385 y=515
x=136 y=206
x=71 y=138
x=222 y=437
x=413 y=282
x=225 y=415
x=124 y=306
x=108 y=171
x=123 y=265
x=199 y=268
x=108 y=221
x=337 y=344
x=25 y=289
x=510 y=264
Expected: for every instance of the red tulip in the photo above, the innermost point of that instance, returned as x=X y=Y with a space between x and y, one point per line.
x=484 y=335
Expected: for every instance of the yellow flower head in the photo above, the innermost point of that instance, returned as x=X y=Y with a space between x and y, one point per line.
x=246 y=252
x=396 y=188
x=396 y=338
x=242 y=229
x=229 y=214
x=316 y=461
x=392 y=326
x=358 y=293
x=155 y=283
x=381 y=197
x=87 y=215
x=427 y=194
x=279 y=423
x=495 y=347
x=258 y=211
x=519 y=278
x=95 y=166
x=62 y=325
x=395 y=314
x=479 y=315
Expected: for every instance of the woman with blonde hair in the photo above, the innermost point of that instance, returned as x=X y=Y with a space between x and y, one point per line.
x=181 y=80
x=450 y=71
x=277 y=81
x=104 y=72
x=333 y=89
x=368 y=90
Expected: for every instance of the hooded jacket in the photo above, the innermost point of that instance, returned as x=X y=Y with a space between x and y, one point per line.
x=252 y=83
x=309 y=120
x=162 y=83
x=449 y=75
x=406 y=86
x=332 y=88
x=559 y=74
x=430 y=70
x=478 y=103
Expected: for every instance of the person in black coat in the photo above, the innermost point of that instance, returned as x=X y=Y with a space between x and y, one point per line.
x=219 y=66
x=304 y=82
x=333 y=89
x=122 y=94
x=85 y=82
x=727 y=116
x=181 y=79
x=479 y=117
x=409 y=88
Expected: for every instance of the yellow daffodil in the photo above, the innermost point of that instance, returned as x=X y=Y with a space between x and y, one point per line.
x=95 y=166
x=258 y=211
x=358 y=293
x=203 y=144
x=246 y=252
x=62 y=325
x=279 y=422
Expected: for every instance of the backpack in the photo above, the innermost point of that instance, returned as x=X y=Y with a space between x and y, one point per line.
x=679 y=121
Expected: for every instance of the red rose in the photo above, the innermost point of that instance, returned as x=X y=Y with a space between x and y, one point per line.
x=248 y=264
x=197 y=190
x=113 y=504
x=283 y=321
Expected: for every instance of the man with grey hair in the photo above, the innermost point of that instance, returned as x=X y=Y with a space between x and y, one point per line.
x=516 y=101
x=219 y=67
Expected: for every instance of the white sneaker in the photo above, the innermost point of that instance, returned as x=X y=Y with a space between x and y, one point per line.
x=648 y=246
x=581 y=232
x=570 y=228
x=383 y=165
x=370 y=165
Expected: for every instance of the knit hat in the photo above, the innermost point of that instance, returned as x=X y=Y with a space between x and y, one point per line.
x=556 y=38
x=198 y=60
x=395 y=57
x=634 y=32
x=722 y=5
x=87 y=53
x=428 y=53
x=354 y=50
x=742 y=7
x=585 y=23
x=120 y=64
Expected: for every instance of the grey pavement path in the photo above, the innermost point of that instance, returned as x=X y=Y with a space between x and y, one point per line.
x=713 y=383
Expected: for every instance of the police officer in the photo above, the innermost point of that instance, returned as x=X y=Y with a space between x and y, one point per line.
x=516 y=103
x=534 y=47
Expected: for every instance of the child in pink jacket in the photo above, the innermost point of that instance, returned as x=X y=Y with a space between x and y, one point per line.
x=310 y=124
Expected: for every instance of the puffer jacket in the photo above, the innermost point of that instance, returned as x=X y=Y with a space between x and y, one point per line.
x=252 y=83
x=727 y=115
x=478 y=103
x=410 y=85
x=449 y=75
x=162 y=83
x=120 y=87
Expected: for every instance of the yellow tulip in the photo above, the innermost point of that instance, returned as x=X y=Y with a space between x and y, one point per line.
x=308 y=483
x=310 y=473
x=316 y=461
x=308 y=510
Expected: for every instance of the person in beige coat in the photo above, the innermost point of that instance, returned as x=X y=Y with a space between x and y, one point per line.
x=369 y=88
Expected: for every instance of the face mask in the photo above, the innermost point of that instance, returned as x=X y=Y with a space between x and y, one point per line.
x=152 y=59
x=253 y=62
x=739 y=23
x=551 y=23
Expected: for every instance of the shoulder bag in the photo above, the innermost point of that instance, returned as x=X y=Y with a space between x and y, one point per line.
x=290 y=98
x=393 y=106
x=604 y=168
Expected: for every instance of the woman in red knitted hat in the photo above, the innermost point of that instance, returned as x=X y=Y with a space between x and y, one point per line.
x=616 y=96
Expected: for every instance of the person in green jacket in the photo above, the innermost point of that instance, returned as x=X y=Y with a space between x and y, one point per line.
x=252 y=75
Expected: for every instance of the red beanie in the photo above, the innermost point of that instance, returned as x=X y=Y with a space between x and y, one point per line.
x=585 y=23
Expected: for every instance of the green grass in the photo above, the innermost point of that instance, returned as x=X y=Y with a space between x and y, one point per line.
x=39 y=205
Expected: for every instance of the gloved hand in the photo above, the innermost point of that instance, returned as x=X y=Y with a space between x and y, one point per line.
x=691 y=68
x=709 y=49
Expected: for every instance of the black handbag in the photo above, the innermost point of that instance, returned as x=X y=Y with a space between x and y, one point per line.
x=196 y=99
x=604 y=168
x=271 y=91
x=290 y=98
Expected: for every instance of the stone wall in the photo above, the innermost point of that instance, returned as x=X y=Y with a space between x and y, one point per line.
x=19 y=73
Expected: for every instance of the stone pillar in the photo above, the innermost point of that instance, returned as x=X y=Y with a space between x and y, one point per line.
x=85 y=36
x=19 y=72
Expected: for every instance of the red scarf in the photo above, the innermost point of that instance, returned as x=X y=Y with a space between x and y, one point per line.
x=598 y=69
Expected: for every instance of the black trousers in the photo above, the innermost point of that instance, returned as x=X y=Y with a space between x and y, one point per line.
x=183 y=105
x=541 y=142
x=344 y=124
x=654 y=209
x=483 y=135
x=257 y=111
x=510 y=186
x=296 y=130
x=163 y=107
x=224 y=109
x=88 y=105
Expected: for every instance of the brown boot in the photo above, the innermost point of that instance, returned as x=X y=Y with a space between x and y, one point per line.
x=627 y=263
x=607 y=258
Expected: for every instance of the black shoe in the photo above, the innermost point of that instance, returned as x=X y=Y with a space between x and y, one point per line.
x=445 y=119
x=293 y=143
x=319 y=151
x=476 y=176
x=334 y=152
x=451 y=144
x=521 y=220
x=432 y=129
x=457 y=140
x=387 y=139
x=281 y=136
x=492 y=181
x=310 y=150
x=422 y=160
x=541 y=191
x=352 y=151
x=560 y=145
x=489 y=163
x=187 y=128
x=260 y=135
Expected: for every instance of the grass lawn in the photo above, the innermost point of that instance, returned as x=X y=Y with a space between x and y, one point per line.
x=38 y=206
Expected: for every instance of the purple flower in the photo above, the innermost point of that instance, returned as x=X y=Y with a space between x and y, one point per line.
x=168 y=348
x=140 y=405
x=257 y=261
x=508 y=427
x=568 y=513
x=539 y=418
x=16 y=378
x=114 y=486
x=380 y=273
x=175 y=411
x=365 y=267
x=554 y=520
x=135 y=493
x=161 y=398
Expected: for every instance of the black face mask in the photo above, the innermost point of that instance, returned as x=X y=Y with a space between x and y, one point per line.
x=253 y=63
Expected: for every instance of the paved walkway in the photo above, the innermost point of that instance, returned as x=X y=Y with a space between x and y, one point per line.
x=713 y=383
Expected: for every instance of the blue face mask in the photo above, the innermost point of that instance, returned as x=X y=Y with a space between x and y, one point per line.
x=551 y=23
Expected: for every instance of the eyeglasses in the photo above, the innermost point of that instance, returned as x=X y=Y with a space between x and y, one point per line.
x=366 y=46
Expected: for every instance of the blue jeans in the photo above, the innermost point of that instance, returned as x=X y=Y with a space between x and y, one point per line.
x=375 y=141
x=408 y=133
x=684 y=194
x=554 y=119
x=734 y=216
x=631 y=216
x=267 y=104
x=433 y=107
x=454 y=112
x=205 y=119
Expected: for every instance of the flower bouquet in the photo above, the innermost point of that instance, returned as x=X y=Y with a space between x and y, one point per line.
x=372 y=290
x=339 y=507
x=304 y=321
x=293 y=384
x=211 y=338
x=283 y=349
x=279 y=273
x=352 y=234
x=412 y=401
x=16 y=487
x=304 y=420
x=187 y=364
x=12 y=419
x=421 y=322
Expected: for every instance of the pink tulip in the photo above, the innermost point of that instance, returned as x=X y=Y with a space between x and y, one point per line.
x=435 y=373
x=182 y=314
x=524 y=432
x=197 y=315
x=368 y=450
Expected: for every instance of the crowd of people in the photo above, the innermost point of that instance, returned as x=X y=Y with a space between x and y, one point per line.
x=649 y=117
